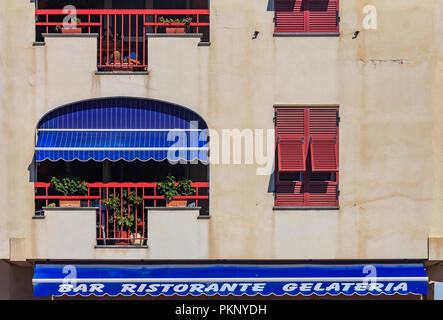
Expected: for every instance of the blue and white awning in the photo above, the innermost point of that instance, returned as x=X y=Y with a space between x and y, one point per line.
x=122 y=129
x=195 y=280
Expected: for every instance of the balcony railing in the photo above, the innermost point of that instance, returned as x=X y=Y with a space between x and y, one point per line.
x=108 y=229
x=123 y=31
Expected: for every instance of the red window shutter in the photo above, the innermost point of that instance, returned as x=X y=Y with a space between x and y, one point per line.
x=291 y=141
x=323 y=16
x=289 y=195
x=290 y=15
x=323 y=194
x=323 y=127
x=291 y=154
x=324 y=154
x=290 y=121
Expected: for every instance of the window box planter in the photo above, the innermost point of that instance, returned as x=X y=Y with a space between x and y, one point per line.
x=71 y=30
x=175 y=29
x=176 y=203
x=170 y=189
x=68 y=203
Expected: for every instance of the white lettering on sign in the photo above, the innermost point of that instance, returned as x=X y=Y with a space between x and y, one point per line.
x=290 y=287
x=200 y=288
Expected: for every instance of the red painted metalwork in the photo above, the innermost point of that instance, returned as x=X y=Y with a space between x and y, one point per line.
x=320 y=126
x=99 y=21
x=298 y=16
x=291 y=154
x=323 y=131
x=96 y=192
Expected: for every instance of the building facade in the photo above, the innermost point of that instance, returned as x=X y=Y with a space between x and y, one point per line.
x=322 y=119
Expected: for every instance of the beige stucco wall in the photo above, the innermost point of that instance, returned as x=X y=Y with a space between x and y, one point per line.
x=70 y=234
x=387 y=83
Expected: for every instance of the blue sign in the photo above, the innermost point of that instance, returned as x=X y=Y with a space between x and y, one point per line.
x=223 y=280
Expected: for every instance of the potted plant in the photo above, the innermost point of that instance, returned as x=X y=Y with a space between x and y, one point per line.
x=71 y=28
x=174 y=25
x=117 y=65
x=123 y=219
x=170 y=188
x=69 y=187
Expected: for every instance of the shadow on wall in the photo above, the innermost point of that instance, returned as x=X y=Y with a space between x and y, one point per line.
x=270 y=5
x=271 y=183
x=32 y=168
x=16 y=282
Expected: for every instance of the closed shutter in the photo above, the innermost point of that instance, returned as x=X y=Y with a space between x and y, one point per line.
x=291 y=140
x=289 y=195
x=290 y=15
x=323 y=16
x=323 y=194
x=323 y=127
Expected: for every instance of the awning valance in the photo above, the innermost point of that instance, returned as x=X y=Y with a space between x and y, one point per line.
x=113 y=145
x=122 y=129
x=71 y=280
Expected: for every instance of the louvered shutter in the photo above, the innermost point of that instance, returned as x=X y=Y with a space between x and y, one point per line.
x=323 y=129
x=323 y=16
x=290 y=16
x=291 y=140
x=291 y=154
x=323 y=194
x=289 y=195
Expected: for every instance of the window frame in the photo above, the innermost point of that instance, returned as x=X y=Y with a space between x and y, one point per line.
x=306 y=21
x=283 y=187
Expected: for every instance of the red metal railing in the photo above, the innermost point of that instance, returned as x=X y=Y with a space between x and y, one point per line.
x=107 y=228
x=121 y=30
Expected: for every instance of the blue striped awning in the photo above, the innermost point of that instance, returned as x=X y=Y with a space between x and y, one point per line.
x=195 y=280
x=122 y=129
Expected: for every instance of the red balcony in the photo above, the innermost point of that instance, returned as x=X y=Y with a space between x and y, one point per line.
x=109 y=230
x=122 y=34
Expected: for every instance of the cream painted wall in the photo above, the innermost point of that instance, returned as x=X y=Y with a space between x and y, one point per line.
x=387 y=83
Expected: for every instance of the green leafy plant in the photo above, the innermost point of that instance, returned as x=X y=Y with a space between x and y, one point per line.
x=117 y=55
x=187 y=21
x=69 y=187
x=74 y=22
x=122 y=216
x=170 y=188
x=52 y=205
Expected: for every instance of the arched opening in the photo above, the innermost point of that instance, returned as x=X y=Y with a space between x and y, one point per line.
x=121 y=149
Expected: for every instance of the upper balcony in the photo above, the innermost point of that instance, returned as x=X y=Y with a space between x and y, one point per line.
x=123 y=29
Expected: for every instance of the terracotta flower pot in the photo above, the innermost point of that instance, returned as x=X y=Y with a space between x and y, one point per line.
x=176 y=203
x=123 y=238
x=175 y=30
x=71 y=30
x=70 y=203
